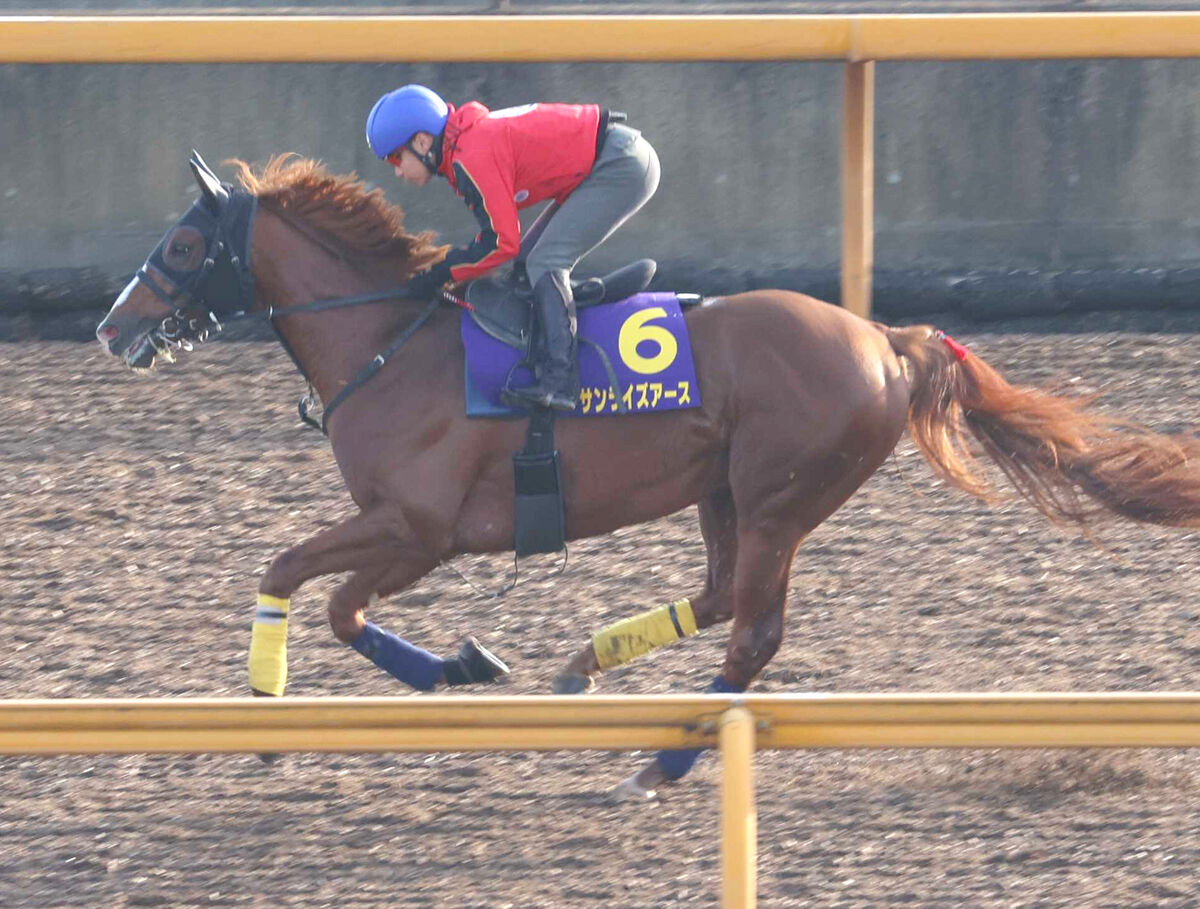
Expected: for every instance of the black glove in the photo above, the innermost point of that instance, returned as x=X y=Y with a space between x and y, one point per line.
x=424 y=284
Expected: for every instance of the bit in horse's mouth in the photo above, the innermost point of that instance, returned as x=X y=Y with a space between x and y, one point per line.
x=142 y=353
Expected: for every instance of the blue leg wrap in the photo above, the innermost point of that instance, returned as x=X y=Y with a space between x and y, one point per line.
x=410 y=664
x=675 y=762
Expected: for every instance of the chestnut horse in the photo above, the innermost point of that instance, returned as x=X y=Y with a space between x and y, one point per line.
x=801 y=403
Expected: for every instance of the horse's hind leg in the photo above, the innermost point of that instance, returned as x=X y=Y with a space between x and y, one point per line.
x=764 y=561
x=630 y=638
x=774 y=514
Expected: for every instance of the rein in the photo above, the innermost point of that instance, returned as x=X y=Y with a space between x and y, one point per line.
x=364 y=375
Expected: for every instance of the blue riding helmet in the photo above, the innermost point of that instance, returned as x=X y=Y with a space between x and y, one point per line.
x=401 y=114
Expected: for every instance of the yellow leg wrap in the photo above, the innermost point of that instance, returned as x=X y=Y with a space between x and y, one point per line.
x=629 y=638
x=268 y=645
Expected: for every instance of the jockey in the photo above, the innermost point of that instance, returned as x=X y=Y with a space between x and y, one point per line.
x=581 y=156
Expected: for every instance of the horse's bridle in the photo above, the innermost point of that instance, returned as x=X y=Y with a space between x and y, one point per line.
x=225 y=277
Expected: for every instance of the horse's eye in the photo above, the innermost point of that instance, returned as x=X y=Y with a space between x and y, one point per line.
x=180 y=249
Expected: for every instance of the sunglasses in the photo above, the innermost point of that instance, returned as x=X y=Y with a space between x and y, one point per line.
x=395 y=157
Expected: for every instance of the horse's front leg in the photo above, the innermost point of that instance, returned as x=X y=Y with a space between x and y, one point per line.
x=382 y=552
x=401 y=659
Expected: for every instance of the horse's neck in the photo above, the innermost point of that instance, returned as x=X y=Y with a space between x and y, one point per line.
x=330 y=345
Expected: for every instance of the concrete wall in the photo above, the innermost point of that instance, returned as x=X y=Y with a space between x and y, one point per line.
x=1001 y=187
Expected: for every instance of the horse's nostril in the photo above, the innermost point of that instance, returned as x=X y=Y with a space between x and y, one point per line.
x=107 y=332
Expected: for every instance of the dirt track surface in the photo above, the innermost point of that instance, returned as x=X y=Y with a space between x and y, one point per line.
x=138 y=513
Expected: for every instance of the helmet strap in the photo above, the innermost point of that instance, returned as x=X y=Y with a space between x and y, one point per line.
x=432 y=159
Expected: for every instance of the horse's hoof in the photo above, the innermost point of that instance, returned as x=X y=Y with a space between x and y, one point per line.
x=630 y=790
x=265 y=758
x=572 y=683
x=475 y=664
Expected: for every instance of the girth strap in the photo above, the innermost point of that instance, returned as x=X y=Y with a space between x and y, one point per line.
x=539 y=436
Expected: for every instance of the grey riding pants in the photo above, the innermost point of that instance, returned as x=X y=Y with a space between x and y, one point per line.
x=622 y=180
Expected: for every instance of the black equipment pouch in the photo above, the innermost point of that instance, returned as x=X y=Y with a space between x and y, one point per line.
x=540 y=523
x=539 y=518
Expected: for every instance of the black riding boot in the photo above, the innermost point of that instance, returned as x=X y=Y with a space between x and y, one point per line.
x=557 y=384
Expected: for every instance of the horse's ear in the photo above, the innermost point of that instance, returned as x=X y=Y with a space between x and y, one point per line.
x=209 y=183
x=200 y=163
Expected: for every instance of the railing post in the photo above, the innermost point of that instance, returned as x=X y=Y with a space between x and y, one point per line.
x=858 y=186
x=739 y=821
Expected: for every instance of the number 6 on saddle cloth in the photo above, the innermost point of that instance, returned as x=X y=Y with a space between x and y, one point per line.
x=635 y=356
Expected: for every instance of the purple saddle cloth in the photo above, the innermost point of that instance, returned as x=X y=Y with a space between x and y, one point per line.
x=645 y=343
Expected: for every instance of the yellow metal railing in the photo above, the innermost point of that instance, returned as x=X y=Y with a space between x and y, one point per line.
x=858 y=40
x=491 y=39
x=736 y=724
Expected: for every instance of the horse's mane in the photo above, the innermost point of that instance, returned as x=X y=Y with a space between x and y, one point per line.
x=358 y=222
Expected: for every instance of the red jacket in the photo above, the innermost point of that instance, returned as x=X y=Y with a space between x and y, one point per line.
x=505 y=160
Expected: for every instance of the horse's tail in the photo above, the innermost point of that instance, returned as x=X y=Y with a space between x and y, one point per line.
x=1070 y=462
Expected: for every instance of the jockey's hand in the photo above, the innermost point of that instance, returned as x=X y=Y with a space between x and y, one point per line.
x=424 y=284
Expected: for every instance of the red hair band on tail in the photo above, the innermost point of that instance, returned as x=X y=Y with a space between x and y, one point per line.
x=960 y=352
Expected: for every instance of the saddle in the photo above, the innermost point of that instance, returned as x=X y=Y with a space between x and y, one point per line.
x=503 y=306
